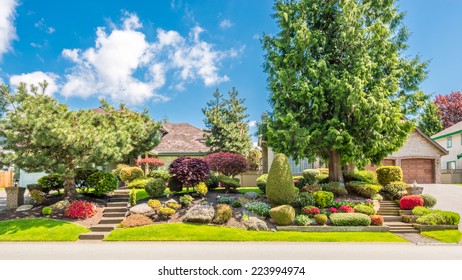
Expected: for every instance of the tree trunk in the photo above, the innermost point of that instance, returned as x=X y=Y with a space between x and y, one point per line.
x=335 y=169
x=69 y=187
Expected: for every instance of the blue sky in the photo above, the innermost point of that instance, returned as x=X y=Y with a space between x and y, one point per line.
x=169 y=56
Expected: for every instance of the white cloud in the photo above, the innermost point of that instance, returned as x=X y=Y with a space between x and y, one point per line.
x=7 y=28
x=225 y=24
x=36 y=45
x=252 y=123
x=35 y=78
x=256 y=37
x=44 y=27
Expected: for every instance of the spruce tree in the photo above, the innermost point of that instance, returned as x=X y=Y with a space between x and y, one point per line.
x=430 y=120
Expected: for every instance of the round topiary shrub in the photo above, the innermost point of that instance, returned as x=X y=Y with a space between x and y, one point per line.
x=429 y=200
x=388 y=174
x=128 y=174
x=376 y=220
x=102 y=182
x=51 y=182
x=138 y=183
x=323 y=199
x=282 y=215
x=408 y=202
x=47 y=211
x=223 y=213
x=320 y=219
x=280 y=185
x=154 y=204
x=155 y=188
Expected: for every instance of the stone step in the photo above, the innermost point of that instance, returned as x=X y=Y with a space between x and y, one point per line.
x=388 y=213
x=392 y=218
x=119 y=199
x=117 y=204
x=390 y=208
x=403 y=230
x=92 y=236
x=103 y=228
x=114 y=220
x=115 y=209
x=115 y=215
x=398 y=223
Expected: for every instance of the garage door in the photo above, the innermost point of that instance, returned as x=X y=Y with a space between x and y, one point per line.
x=385 y=162
x=420 y=170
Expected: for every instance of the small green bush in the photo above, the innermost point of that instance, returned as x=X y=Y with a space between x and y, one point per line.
x=51 y=182
x=173 y=205
x=360 y=175
x=364 y=209
x=421 y=210
x=282 y=215
x=138 y=183
x=323 y=199
x=261 y=182
x=132 y=198
x=223 y=213
x=429 y=200
x=212 y=182
x=363 y=189
x=310 y=175
x=337 y=188
x=155 y=188
x=236 y=204
x=388 y=174
x=128 y=174
x=280 y=184
x=167 y=211
x=320 y=219
x=174 y=185
x=350 y=219
x=155 y=204
x=229 y=183
x=306 y=199
x=119 y=167
x=47 y=211
x=395 y=189
x=102 y=182
x=302 y=220
x=258 y=207
x=186 y=200
x=160 y=174
x=438 y=217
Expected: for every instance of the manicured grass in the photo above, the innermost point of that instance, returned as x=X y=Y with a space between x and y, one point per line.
x=39 y=230
x=188 y=232
x=448 y=236
x=249 y=189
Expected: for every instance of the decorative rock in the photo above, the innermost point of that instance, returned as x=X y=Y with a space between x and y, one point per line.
x=142 y=208
x=256 y=224
x=171 y=200
x=251 y=195
x=24 y=207
x=200 y=214
x=60 y=205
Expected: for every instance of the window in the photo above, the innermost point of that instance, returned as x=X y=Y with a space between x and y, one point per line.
x=297 y=168
x=449 y=142
x=451 y=165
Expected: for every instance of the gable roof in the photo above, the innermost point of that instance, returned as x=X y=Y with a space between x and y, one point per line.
x=438 y=146
x=181 y=138
x=452 y=130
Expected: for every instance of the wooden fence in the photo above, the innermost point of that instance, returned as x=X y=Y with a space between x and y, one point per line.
x=6 y=179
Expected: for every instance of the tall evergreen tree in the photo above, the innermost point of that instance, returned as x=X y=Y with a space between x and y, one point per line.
x=430 y=120
x=226 y=120
x=45 y=135
x=339 y=81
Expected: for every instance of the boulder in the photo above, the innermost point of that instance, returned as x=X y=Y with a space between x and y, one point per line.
x=142 y=208
x=171 y=200
x=200 y=214
x=256 y=224
x=251 y=195
x=24 y=207
x=283 y=215
x=60 y=205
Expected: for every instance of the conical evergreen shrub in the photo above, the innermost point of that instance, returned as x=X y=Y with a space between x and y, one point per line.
x=280 y=184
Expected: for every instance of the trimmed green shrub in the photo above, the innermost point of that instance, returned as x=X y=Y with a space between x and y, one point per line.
x=138 y=183
x=363 y=189
x=261 y=182
x=337 y=188
x=360 y=208
x=310 y=175
x=132 y=198
x=258 y=207
x=212 y=182
x=47 y=211
x=51 y=182
x=360 y=175
x=438 y=217
x=167 y=212
x=119 y=167
x=102 y=182
x=429 y=200
x=396 y=189
x=323 y=199
x=388 y=174
x=160 y=174
x=350 y=219
x=302 y=220
x=306 y=199
x=236 y=204
x=128 y=174
x=282 y=215
x=280 y=185
x=174 y=185
x=155 y=188
x=155 y=204
x=186 y=200
x=320 y=219
x=229 y=183
x=223 y=213
x=421 y=210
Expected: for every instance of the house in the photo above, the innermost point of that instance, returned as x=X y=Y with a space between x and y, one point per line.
x=451 y=165
x=419 y=159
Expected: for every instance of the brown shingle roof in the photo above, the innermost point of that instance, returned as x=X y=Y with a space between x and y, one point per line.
x=181 y=138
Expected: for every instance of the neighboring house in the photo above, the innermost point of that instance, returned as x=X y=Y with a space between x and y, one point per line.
x=451 y=165
x=419 y=159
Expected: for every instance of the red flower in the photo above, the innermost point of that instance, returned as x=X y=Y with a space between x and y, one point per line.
x=346 y=209
x=311 y=210
x=333 y=210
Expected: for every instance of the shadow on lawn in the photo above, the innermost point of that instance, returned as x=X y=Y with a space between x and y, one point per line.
x=18 y=225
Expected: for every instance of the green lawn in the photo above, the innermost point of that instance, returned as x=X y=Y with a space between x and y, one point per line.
x=188 y=232
x=448 y=236
x=39 y=230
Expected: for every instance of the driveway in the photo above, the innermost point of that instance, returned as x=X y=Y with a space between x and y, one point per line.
x=448 y=196
x=2 y=199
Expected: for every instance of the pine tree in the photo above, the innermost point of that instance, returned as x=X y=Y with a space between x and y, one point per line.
x=339 y=81
x=430 y=121
x=226 y=120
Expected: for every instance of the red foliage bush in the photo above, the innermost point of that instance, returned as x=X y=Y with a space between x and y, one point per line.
x=80 y=209
x=151 y=162
x=333 y=210
x=346 y=209
x=311 y=210
x=408 y=202
x=189 y=171
x=376 y=220
x=229 y=164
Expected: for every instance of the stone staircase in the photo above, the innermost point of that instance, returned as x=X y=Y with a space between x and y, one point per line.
x=114 y=213
x=392 y=218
